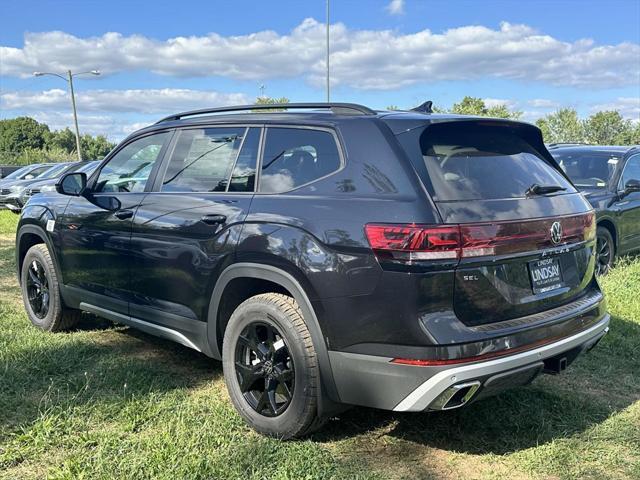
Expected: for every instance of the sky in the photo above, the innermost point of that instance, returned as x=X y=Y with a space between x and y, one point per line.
x=160 y=57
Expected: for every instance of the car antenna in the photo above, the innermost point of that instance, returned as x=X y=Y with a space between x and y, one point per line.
x=424 y=107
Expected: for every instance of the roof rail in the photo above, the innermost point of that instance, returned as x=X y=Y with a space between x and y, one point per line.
x=564 y=144
x=336 y=108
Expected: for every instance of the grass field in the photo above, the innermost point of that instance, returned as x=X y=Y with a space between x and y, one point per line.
x=108 y=402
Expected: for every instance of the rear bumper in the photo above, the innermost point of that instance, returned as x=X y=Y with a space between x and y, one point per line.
x=374 y=381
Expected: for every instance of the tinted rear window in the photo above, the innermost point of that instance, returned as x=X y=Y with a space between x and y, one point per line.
x=463 y=161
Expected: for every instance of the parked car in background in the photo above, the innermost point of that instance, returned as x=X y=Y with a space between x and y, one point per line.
x=49 y=184
x=27 y=172
x=8 y=169
x=11 y=193
x=328 y=254
x=609 y=177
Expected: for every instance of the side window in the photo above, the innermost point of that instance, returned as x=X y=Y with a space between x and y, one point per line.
x=296 y=156
x=631 y=171
x=243 y=178
x=129 y=169
x=202 y=160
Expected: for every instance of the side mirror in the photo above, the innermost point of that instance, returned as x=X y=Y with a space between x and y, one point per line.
x=72 y=184
x=631 y=186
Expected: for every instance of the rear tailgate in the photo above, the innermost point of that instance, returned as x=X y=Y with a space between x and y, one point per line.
x=530 y=269
x=520 y=253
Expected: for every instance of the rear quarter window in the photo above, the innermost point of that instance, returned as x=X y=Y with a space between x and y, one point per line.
x=296 y=156
x=464 y=161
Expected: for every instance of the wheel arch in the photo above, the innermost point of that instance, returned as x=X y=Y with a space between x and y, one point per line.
x=27 y=237
x=284 y=282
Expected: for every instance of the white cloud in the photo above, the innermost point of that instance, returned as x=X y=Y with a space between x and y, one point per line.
x=113 y=113
x=498 y=102
x=543 y=103
x=629 y=107
x=395 y=7
x=364 y=59
x=166 y=100
x=114 y=128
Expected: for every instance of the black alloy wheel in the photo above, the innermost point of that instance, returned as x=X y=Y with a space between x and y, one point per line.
x=41 y=292
x=38 y=289
x=265 y=369
x=605 y=251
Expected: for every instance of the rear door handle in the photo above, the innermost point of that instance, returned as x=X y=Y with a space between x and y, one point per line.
x=124 y=214
x=214 y=219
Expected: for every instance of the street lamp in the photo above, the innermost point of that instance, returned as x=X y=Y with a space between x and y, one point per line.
x=327 y=38
x=69 y=80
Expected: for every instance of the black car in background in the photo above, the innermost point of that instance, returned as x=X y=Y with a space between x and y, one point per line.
x=609 y=177
x=328 y=254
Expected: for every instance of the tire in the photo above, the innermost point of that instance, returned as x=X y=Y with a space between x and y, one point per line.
x=605 y=251
x=38 y=269
x=255 y=318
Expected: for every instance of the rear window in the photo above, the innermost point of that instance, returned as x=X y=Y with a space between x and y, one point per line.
x=473 y=162
x=587 y=169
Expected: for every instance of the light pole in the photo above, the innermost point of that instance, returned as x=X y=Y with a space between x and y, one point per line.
x=69 y=80
x=328 y=84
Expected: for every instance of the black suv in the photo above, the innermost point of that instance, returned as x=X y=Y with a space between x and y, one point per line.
x=329 y=254
x=609 y=177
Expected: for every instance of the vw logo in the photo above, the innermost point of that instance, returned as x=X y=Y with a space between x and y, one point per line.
x=556 y=232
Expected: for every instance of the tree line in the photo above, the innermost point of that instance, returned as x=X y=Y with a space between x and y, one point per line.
x=563 y=126
x=24 y=140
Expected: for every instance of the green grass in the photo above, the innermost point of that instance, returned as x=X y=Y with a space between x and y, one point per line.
x=110 y=402
x=8 y=222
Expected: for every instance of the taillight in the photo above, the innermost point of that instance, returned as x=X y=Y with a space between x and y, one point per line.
x=582 y=227
x=411 y=242
x=414 y=242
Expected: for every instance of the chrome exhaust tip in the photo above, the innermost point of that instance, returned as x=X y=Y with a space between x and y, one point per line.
x=455 y=396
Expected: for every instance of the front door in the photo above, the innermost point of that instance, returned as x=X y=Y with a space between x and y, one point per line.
x=185 y=231
x=629 y=208
x=95 y=229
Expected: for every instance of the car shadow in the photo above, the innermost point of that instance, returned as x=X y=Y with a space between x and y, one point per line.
x=597 y=385
x=66 y=370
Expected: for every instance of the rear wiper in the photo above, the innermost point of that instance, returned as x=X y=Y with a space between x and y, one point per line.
x=537 y=189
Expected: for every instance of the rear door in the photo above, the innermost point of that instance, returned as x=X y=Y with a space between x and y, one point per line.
x=185 y=232
x=522 y=251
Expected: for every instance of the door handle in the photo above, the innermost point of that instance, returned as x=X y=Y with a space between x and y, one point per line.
x=214 y=219
x=124 y=214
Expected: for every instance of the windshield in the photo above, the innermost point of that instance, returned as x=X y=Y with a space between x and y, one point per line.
x=18 y=173
x=587 y=169
x=466 y=162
